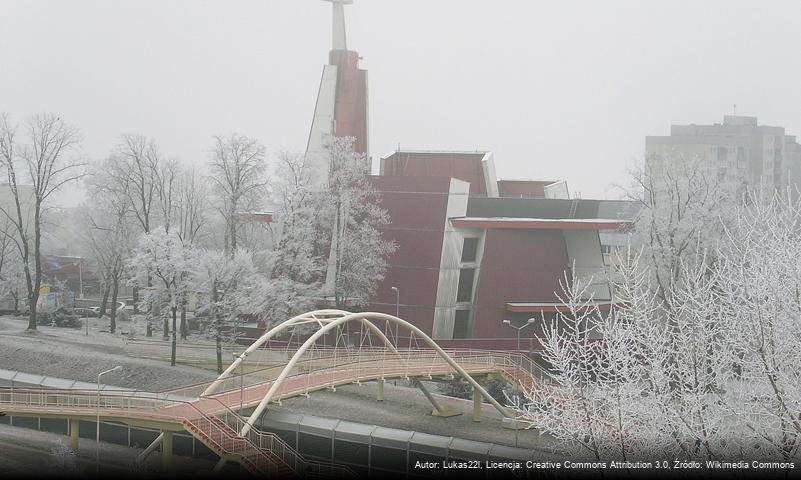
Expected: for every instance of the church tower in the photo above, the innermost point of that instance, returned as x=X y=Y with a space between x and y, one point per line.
x=342 y=101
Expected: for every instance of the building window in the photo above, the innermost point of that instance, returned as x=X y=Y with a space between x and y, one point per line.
x=469 y=249
x=461 y=324
x=465 y=292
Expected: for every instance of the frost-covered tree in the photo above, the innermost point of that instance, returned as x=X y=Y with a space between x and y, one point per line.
x=132 y=171
x=224 y=284
x=36 y=159
x=190 y=216
x=716 y=380
x=684 y=209
x=238 y=174
x=352 y=208
x=298 y=254
x=108 y=231
x=160 y=265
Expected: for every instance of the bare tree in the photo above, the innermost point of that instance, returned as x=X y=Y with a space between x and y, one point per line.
x=12 y=275
x=36 y=166
x=190 y=216
x=108 y=233
x=192 y=207
x=238 y=173
x=133 y=171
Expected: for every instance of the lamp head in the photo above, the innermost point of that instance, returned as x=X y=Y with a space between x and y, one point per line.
x=532 y=320
x=507 y=322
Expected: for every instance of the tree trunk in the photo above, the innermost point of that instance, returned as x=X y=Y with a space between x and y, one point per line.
x=166 y=327
x=183 y=320
x=219 y=347
x=233 y=231
x=135 y=295
x=217 y=324
x=104 y=300
x=174 y=334
x=15 y=296
x=32 y=300
x=113 y=313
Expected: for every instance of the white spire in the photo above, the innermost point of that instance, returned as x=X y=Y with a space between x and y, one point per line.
x=338 y=30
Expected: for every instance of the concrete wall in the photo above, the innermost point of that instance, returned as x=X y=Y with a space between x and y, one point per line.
x=586 y=259
x=322 y=126
x=449 y=268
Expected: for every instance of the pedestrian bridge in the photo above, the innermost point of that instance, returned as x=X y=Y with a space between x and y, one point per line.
x=212 y=411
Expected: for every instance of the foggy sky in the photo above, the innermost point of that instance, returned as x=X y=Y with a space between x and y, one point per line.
x=557 y=89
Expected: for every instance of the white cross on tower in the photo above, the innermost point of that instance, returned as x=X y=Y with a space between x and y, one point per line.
x=338 y=30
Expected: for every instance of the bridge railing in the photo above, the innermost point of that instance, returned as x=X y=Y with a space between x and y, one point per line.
x=74 y=399
x=125 y=403
x=341 y=364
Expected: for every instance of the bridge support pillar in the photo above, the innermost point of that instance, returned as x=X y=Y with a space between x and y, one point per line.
x=379 y=396
x=74 y=431
x=439 y=410
x=477 y=400
x=166 y=449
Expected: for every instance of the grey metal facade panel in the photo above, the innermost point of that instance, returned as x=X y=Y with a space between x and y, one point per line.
x=391 y=437
x=469 y=448
x=551 y=208
x=431 y=444
x=512 y=453
x=619 y=209
x=318 y=425
x=355 y=432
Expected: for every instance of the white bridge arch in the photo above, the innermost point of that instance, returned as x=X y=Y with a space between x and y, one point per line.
x=326 y=321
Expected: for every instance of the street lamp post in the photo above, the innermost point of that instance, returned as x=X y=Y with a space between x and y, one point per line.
x=397 y=313
x=529 y=322
x=97 y=444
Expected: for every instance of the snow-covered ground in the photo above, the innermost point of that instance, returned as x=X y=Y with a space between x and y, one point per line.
x=70 y=353
x=29 y=453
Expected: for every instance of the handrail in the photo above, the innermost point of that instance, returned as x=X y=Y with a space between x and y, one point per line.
x=524 y=362
x=266 y=440
x=325 y=364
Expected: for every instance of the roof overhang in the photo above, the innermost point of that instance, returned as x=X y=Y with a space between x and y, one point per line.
x=541 y=223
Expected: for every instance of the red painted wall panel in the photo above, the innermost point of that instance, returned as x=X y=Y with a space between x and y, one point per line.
x=417 y=208
x=517 y=266
x=350 y=111
x=409 y=253
x=464 y=166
